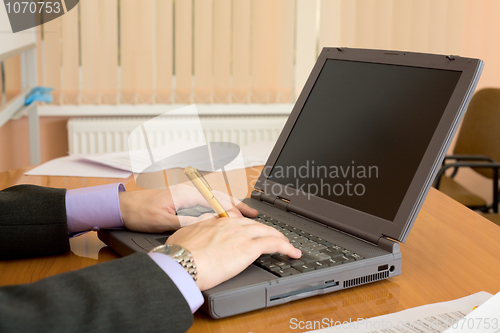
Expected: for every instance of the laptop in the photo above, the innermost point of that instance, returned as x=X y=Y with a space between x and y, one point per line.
x=347 y=176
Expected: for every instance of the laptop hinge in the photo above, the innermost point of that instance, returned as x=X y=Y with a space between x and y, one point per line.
x=256 y=194
x=365 y=236
x=281 y=203
x=278 y=202
x=382 y=242
x=388 y=245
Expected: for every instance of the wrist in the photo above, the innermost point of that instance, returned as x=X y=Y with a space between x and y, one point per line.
x=178 y=275
x=93 y=208
x=181 y=255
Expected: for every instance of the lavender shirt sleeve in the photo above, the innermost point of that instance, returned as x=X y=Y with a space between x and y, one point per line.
x=93 y=208
x=181 y=278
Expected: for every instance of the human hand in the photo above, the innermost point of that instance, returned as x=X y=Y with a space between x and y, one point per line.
x=223 y=247
x=154 y=210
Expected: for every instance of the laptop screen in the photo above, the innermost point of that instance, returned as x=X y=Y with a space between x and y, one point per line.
x=362 y=133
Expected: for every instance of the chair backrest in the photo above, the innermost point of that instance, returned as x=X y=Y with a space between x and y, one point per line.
x=480 y=131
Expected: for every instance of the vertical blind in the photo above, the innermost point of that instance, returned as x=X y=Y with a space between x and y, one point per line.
x=171 y=51
x=240 y=51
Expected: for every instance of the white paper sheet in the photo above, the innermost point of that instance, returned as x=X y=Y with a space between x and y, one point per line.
x=142 y=160
x=431 y=318
x=484 y=319
x=117 y=165
x=253 y=154
x=75 y=166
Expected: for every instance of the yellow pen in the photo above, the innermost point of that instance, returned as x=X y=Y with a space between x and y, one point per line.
x=206 y=191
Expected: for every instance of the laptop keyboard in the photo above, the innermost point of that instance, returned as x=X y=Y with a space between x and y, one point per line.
x=317 y=253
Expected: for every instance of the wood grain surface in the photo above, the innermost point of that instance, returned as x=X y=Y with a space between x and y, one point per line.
x=450 y=253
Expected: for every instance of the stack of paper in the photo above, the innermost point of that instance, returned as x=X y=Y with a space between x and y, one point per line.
x=118 y=165
x=479 y=312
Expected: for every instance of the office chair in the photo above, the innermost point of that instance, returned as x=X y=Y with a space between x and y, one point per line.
x=478 y=148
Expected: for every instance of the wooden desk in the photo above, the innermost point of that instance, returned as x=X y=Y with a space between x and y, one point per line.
x=451 y=252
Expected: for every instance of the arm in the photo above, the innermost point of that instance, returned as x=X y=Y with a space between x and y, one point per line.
x=32 y=222
x=462 y=157
x=90 y=298
x=36 y=220
x=130 y=294
x=133 y=292
x=490 y=165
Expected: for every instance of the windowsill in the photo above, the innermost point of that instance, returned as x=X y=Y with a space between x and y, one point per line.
x=158 y=109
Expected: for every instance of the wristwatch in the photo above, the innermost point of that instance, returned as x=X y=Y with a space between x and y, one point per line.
x=179 y=254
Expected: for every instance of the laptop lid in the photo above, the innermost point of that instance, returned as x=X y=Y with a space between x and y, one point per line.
x=366 y=137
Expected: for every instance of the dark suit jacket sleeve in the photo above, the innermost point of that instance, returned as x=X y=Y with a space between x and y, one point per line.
x=130 y=294
x=32 y=222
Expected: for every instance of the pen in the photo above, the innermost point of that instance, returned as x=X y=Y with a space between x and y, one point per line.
x=206 y=191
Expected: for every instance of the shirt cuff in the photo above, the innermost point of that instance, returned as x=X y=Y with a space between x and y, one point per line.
x=93 y=208
x=182 y=279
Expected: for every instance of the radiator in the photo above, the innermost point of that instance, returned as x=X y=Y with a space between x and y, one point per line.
x=107 y=135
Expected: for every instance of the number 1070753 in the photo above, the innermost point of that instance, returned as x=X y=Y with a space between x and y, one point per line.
x=33 y=7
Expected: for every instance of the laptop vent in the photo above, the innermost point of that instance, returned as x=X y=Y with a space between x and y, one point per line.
x=366 y=279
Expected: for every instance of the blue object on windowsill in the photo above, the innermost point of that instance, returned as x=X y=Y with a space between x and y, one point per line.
x=40 y=94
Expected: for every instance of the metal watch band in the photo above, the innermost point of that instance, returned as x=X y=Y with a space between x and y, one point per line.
x=185 y=258
x=187 y=261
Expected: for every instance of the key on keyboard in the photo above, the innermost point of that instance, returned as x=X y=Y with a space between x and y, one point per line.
x=317 y=253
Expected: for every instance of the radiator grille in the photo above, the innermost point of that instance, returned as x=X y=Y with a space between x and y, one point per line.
x=108 y=135
x=366 y=279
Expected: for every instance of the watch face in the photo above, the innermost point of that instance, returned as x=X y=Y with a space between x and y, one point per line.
x=173 y=250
